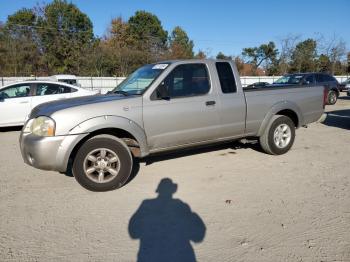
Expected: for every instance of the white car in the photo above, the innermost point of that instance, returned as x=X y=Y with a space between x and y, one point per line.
x=18 y=99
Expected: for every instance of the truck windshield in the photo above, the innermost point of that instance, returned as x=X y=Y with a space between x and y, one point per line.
x=140 y=80
x=289 y=79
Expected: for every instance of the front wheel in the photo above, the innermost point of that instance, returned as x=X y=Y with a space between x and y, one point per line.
x=279 y=136
x=102 y=163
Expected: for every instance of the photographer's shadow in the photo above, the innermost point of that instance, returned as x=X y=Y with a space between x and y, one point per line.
x=165 y=227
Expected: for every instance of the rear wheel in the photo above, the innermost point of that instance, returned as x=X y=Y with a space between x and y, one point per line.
x=102 y=163
x=279 y=136
x=332 y=97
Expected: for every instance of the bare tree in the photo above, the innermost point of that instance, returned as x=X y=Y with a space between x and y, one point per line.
x=288 y=44
x=334 y=48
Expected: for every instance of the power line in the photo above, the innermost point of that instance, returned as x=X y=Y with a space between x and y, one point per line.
x=49 y=28
x=222 y=41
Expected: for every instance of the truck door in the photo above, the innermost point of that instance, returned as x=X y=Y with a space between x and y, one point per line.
x=183 y=109
x=232 y=104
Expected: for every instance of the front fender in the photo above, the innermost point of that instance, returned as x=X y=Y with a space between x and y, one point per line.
x=102 y=122
x=282 y=105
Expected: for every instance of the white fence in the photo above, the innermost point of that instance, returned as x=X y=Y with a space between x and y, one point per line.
x=107 y=83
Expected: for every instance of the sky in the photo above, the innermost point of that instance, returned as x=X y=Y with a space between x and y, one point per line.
x=221 y=25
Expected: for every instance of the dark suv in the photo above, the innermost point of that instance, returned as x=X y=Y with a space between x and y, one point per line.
x=326 y=80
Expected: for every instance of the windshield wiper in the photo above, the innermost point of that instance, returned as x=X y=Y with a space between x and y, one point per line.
x=121 y=92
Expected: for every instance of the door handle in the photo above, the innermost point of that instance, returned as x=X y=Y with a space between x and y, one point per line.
x=24 y=102
x=210 y=103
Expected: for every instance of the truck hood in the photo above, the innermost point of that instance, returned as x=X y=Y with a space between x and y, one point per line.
x=47 y=109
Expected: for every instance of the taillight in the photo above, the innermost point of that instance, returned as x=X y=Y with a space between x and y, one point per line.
x=325 y=96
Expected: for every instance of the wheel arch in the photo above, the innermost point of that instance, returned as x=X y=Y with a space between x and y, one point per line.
x=286 y=108
x=127 y=130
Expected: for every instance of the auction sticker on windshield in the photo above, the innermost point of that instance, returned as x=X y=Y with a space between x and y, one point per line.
x=160 y=66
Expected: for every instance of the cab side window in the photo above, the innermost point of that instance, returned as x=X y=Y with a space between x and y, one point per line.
x=21 y=90
x=186 y=80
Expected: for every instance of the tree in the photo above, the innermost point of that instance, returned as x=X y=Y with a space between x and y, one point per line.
x=266 y=53
x=201 y=55
x=123 y=49
x=66 y=33
x=288 y=44
x=304 y=56
x=20 y=43
x=221 y=55
x=239 y=64
x=181 y=47
x=335 y=49
x=324 y=63
x=147 y=32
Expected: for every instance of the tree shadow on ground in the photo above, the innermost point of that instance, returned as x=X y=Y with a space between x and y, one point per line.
x=166 y=226
x=338 y=118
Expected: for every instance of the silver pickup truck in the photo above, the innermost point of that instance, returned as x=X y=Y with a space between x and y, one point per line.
x=160 y=107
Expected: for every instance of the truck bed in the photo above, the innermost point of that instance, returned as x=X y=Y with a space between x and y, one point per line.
x=306 y=101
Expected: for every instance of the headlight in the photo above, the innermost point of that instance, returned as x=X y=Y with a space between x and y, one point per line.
x=43 y=126
x=27 y=126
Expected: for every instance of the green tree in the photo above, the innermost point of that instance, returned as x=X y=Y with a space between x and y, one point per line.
x=221 y=55
x=181 y=47
x=324 y=64
x=304 y=56
x=200 y=55
x=66 y=34
x=265 y=53
x=123 y=49
x=20 y=43
x=147 y=32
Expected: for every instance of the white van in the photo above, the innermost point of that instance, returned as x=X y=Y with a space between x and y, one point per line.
x=69 y=79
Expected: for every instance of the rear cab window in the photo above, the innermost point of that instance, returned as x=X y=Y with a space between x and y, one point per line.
x=226 y=77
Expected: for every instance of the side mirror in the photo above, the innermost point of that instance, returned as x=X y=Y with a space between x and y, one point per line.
x=2 y=97
x=162 y=92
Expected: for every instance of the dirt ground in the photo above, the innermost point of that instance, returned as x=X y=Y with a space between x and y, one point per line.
x=224 y=203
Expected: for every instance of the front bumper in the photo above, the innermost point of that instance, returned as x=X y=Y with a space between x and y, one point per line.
x=48 y=153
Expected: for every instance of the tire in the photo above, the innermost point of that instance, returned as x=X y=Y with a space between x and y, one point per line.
x=102 y=154
x=283 y=129
x=332 y=97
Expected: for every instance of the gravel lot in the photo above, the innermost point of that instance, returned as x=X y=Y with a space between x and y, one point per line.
x=233 y=203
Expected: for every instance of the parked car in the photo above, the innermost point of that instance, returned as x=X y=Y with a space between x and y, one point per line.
x=258 y=84
x=18 y=99
x=311 y=79
x=345 y=85
x=162 y=107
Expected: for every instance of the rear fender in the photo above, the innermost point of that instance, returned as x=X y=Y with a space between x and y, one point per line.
x=283 y=105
